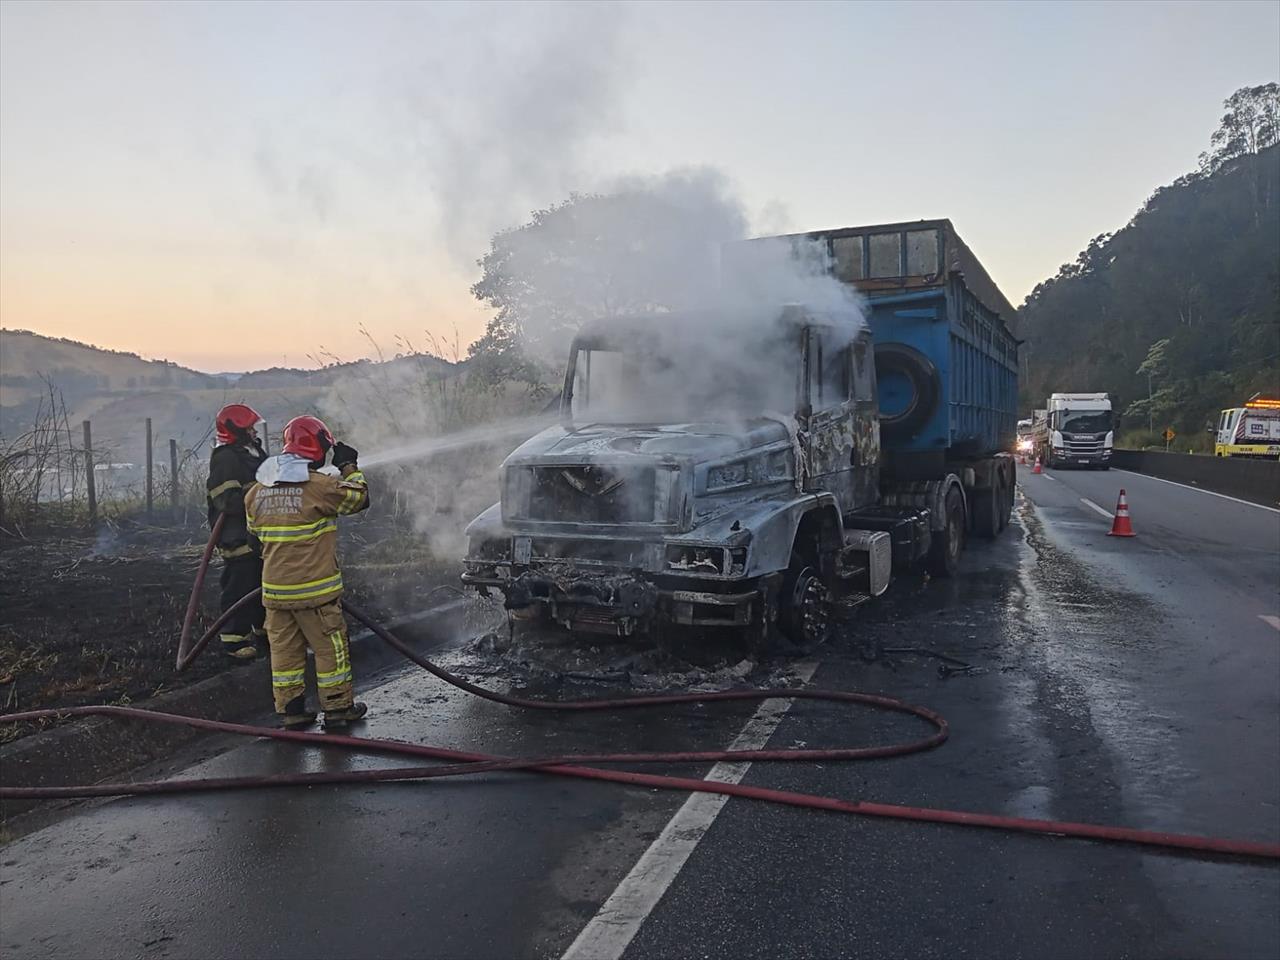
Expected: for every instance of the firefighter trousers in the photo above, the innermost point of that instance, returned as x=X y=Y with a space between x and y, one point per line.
x=239 y=576
x=324 y=630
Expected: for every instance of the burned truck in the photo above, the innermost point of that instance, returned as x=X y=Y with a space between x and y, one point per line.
x=836 y=450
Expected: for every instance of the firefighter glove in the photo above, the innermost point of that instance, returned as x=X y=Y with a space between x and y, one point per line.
x=344 y=455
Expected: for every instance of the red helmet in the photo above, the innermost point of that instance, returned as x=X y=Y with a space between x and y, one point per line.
x=234 y=421
x=307 y=437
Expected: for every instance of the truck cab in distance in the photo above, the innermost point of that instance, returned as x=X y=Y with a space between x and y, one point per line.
x=1251 y=431
x=1079 y=431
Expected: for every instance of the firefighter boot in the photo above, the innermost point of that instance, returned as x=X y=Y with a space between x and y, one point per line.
x=296 y=715
x=239 y=648
x=338 y=719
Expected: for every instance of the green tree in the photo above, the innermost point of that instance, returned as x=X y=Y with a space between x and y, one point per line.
x=1250 y=125
x=1154 y=366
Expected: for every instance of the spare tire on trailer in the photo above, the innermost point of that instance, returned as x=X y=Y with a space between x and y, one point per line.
x=909 y=387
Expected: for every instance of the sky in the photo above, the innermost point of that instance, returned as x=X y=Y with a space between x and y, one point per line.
x=239 y=185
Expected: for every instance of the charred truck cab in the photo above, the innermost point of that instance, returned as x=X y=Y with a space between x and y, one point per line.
x=742 y=502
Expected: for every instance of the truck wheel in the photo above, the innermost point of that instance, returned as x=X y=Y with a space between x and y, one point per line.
x=944 y=552
x=1008 y=483
x=805 y=614
x=907 y=374
x=987 y=506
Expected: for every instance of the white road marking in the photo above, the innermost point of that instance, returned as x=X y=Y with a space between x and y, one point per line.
x=619 y=918
x=1048 y=476
x=1184 y=486
x=1267 y=618
x=1095 y=508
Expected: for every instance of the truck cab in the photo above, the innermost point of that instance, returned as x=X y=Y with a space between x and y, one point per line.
x=675 y=491
x=1080 y=431
x=1251 y=431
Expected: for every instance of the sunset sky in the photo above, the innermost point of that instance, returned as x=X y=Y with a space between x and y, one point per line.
x=238 y=185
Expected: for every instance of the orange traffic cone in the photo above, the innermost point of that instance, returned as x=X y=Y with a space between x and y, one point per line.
x=1037 y=468
x=1121 y=527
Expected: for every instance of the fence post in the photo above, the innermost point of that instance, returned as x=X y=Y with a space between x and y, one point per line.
x=151 y=490
x=173 y=480
x=89 y=485
x=266 y=439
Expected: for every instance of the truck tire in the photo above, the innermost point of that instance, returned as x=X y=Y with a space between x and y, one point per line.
x=1010 y=481
x=988 y=506
x=944 y=552
x=897 y=361
x=805 y=609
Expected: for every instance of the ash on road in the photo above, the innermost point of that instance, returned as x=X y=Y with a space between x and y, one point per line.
x=1131 y=682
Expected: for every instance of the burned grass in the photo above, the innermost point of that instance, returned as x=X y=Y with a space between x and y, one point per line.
x=90 y=620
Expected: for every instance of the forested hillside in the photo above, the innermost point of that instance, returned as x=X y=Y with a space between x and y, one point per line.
x=1177 y=315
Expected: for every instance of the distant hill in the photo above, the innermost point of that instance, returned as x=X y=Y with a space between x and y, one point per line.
x=118 y=391
x=1191 y=282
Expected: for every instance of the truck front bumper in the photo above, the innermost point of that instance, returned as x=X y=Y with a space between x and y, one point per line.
x=616 y=603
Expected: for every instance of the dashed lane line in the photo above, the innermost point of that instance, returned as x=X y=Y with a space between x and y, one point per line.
x=1096 y=509
x=618 y=920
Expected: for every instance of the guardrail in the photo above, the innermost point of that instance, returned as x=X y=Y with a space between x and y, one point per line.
x=1257 y=481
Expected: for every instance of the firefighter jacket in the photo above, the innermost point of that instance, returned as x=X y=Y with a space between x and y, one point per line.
x=231 y=471
x=297 y=524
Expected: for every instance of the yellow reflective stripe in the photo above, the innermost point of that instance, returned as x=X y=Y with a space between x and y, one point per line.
x=352 y=496
x=288 y=678
x=302 y=591
x=342 y=664
x=230 y=553
x=298 y=535
x=354 y=475
x=224 y=487
x=293 y=528
x=340 y=650
x=233 y=637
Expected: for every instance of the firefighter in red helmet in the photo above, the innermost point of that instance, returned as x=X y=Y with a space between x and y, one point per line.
x=232 y=467
x=293 y=510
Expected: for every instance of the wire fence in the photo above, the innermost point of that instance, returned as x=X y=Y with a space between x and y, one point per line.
x=54 y=478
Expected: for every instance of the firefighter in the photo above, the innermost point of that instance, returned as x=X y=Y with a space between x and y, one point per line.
x=293 y=510
x=232 y=467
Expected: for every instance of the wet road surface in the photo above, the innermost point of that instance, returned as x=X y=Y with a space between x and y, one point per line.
x=1134 y=682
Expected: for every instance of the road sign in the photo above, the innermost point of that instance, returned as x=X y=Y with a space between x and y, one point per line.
x=1169 y=435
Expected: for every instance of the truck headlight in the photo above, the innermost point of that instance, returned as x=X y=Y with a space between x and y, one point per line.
x=727 y=475
x=693 y=559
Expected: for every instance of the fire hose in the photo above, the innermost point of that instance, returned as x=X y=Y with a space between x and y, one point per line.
x=581 y=765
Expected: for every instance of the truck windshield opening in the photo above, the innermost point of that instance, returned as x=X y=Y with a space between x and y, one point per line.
x=614 y=385
x=1086 y=421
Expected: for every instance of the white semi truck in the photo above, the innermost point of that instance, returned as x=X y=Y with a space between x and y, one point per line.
x=1079 y=431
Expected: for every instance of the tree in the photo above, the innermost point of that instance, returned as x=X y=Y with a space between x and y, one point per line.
x=1250 y=125
x=1154 y=366
x=650 y=246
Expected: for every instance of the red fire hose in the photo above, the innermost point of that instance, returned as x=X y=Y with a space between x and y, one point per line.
x=185 y=658
x=572 y=765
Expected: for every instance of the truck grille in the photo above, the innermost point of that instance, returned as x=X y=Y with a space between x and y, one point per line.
x=1084 y=446
x=594 y=493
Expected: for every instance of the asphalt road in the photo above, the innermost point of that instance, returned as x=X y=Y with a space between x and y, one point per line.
x=1134 y=682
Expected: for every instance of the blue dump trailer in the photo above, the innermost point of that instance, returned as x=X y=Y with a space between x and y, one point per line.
x=945 y=341
x=713 y=475
x=946 y=360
